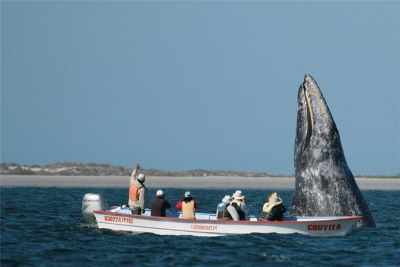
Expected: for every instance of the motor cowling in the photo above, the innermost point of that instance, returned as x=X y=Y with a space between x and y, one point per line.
x=90 y=203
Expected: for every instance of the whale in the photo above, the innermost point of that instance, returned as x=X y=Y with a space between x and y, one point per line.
x=324 y=183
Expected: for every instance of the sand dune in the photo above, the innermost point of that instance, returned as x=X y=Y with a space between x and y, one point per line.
x=218 y=182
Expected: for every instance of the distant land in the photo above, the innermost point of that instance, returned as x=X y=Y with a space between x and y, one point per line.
x=99 y=169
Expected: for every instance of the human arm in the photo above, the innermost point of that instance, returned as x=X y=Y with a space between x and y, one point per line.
x=179 y=205
x=244 y=207
x=135 y=170
x=265 y=207
x=276 y=213
x=141 y=192
x=272 y=214
x=232 y=211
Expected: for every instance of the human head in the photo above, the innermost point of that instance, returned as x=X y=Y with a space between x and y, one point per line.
x=238 y=195
x=273 y=197
x=227 y=199
x=160 y=193
x=188 y=194
x=141 y=177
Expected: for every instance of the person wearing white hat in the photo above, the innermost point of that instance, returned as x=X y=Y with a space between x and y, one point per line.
x=137 y=191
x=239 y=204
x=222 y=212
x=188 y=206
x=273 y=209
x=159 y=204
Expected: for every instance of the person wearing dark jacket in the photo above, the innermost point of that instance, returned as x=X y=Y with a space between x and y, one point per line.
x=159 y=205
x=273 y=210
x=239 y=205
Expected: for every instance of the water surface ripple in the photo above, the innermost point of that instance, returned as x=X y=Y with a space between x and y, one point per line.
x=43 y=227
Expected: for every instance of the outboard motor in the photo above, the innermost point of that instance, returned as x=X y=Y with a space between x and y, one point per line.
x=90 y=203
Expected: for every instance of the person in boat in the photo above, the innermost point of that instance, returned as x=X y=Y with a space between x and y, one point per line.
x=159 y=205
x=137 y=191
x=273 y=209
x=188 y=206
x=239 y=205
x=222 y=209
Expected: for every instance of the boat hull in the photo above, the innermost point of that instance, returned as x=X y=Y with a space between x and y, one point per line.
x=320 y=226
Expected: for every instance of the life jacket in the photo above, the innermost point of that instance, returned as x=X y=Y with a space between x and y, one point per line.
x=276 y=213
x=263 y=216
x=222 y=212
x=188 y=210
x=133 y=192
x=224 y=215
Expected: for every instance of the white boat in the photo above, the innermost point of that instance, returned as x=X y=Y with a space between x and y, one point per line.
x=206 y=224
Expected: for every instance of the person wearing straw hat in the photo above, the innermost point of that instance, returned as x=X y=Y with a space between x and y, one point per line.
x=188 y=206
x=159 y=204
x=137 y=191
x=273 y=209
x=222 y=211
x=239 y=204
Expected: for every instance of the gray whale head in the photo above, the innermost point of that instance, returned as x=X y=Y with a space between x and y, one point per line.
x=325 y=185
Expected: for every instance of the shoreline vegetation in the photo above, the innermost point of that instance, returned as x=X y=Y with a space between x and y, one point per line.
x=99 y=169
x=93 y=175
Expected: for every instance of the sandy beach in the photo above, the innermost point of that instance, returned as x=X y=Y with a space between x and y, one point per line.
x=208 y=182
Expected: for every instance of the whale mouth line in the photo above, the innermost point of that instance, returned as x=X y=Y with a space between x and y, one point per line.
x=309 y=116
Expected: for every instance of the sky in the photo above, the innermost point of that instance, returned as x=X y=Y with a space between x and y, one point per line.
x=196 y=85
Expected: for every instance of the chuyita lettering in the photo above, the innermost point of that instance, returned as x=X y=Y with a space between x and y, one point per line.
x=324 y=227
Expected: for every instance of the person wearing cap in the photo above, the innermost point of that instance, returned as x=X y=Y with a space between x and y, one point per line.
x=137 y=191
x=188 y=206
x=222 y=211
x=239 y=204
x=159 y=205
x=273 y=209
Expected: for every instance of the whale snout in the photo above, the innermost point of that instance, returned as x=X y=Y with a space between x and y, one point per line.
x=308 y=78
x=309 y=81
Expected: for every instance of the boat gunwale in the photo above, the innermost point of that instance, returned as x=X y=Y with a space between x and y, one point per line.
x=158 y=218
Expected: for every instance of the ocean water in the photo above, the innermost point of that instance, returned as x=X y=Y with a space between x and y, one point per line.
x=44 y=227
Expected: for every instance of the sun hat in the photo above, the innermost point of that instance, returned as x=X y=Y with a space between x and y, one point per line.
x=187 y=194
x=238 y=195
x=141 y=177
x=274 y=198
x=160 y=193
x=226 y=199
